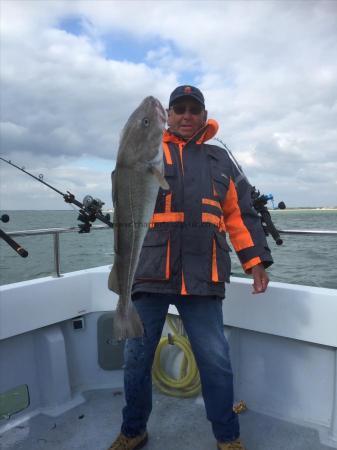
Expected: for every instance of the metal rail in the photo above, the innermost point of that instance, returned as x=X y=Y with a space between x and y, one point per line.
x=42 y=231
x=310 y=232
x=55 y=232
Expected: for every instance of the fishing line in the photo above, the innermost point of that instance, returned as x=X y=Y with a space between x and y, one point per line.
x=259 y=201
x=90 y=209
x=237 y=165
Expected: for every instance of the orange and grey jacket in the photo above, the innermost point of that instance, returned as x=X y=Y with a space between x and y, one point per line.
x=185 y=250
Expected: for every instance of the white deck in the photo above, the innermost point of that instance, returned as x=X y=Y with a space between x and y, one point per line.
x=283 y=348
x=175 y=424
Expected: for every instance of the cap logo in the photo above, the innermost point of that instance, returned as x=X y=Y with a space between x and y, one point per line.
x=187 y=89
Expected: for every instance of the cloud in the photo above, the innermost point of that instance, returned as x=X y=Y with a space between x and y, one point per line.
x=73 y=71
x=70 y=99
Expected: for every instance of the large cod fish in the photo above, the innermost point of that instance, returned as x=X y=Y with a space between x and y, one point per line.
x=135 y=184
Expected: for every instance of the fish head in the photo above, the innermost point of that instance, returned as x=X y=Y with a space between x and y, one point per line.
x=142 y=134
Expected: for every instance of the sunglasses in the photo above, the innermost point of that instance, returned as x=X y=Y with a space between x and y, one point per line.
x=181 y=109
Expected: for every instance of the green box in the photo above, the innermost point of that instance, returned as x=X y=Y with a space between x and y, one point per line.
x=13 y=401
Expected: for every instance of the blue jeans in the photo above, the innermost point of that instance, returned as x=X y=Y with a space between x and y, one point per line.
x=203 y=322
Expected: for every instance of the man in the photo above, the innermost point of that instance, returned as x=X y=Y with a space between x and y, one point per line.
x=185 y=261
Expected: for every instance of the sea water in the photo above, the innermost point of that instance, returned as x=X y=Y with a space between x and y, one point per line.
x=307 y=260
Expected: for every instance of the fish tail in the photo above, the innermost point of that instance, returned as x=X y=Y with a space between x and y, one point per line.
x=127 y=324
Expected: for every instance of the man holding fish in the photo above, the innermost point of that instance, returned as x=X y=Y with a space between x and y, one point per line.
x=182 y=256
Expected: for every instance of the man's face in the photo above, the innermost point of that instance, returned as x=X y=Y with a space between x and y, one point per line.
x=186 y=117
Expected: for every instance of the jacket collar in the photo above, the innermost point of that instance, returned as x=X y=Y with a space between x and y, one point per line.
x=208 y=131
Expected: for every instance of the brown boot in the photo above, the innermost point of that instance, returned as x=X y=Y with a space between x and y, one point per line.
x=125 y=443
x=233 y=445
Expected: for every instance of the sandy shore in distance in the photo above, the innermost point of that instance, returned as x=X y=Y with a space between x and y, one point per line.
x=304 y=209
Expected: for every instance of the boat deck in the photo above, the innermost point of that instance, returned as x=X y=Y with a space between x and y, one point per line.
x=175 y=424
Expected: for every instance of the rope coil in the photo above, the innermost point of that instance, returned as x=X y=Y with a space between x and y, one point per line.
x=188 y=384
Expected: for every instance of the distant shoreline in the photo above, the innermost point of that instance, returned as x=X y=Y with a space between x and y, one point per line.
x=305 y=209
x=319 y=208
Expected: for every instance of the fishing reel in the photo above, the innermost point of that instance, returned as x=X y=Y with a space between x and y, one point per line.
x=259 y=203
x=260 y=200
x=93 y=205
x=91 y=208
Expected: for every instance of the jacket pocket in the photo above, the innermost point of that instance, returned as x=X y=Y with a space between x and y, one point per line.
x=164 y=198
x=154 y=261
x=220 y=184
x=221 y=262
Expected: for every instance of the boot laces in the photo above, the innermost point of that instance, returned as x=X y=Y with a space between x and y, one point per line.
x=236 y=445
x=121 y=443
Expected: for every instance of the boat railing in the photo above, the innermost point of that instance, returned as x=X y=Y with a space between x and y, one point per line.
x=55 y=232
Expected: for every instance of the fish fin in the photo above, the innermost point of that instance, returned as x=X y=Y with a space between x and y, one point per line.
x=127 y=324
x=116 y=224
x=160 y=177
x=113 y=282
x=113 y=184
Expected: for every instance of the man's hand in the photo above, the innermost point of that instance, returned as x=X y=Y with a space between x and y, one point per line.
x=261 y=279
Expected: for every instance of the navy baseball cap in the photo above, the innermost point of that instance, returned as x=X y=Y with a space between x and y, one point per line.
x=188 y=92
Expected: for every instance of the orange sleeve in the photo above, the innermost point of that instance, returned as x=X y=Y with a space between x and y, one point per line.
x=238 y=232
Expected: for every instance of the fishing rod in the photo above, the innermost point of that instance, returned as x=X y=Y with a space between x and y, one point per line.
x=259 y=202
x=15 y=246
x=90 y=209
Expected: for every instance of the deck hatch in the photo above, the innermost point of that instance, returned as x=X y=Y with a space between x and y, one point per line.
x=110 y=351
x=13 y=401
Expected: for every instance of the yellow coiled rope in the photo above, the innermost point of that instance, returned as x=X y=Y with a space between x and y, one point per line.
x=188 y=383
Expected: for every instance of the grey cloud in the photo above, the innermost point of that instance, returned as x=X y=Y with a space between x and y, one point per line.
x=268 y=71
x=72 y=101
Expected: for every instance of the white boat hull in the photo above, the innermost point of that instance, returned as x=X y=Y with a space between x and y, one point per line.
x=283 y=347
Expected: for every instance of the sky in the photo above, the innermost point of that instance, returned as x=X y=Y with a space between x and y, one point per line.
x=73 y=71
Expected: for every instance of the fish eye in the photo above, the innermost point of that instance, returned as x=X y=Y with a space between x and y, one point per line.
x=146 y=122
